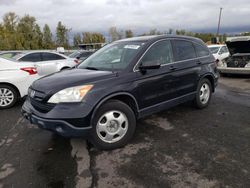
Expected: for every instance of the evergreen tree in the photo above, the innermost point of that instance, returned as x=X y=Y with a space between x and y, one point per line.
x=38 y=38
x=47 y=41
x=61 y=35
x=129 y=34
x=26 y=32
x=77 y=39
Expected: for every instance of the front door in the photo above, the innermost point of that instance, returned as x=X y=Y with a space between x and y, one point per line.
x=156 y=85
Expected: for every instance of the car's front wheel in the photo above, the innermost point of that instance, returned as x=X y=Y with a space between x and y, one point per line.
x=113 y=125
x=8 y=96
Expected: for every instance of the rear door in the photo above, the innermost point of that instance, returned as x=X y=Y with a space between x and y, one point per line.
x=46 y=56
x=187 y=67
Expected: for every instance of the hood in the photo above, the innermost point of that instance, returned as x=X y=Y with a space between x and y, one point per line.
x=238 y=47
x=69 y=78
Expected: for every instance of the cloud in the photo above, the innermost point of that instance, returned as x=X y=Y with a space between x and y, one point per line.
x=99 y=15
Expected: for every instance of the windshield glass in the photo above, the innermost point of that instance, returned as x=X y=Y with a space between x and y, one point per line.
x=16 y=57
x=74 y=54
x=214 y=50
x=9 y=59
x=115 y=56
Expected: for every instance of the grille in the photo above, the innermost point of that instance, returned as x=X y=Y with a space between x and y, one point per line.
x=41 y=106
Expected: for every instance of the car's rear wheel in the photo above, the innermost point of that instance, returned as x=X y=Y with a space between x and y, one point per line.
x=203 y=94
x=8 y=96
x=113 y=125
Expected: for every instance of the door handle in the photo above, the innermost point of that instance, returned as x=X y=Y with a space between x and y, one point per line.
x=198 y=62
x=172 y=68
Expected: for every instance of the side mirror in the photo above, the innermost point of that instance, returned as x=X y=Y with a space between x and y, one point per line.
x=149 y=65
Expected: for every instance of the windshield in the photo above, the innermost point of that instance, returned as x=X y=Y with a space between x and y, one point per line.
x=9 y=59
x=214 y=50
x=115 y=56
x=16 y=57
x=9 y=54
x=74 y=54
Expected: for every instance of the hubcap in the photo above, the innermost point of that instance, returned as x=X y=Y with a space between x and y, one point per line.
x=204 y=93
x=112 y=126
x=6 y=97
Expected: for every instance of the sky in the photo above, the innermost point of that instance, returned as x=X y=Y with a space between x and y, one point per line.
x=138 y=15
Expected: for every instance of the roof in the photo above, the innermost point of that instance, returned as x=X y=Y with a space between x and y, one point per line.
x=158 y=37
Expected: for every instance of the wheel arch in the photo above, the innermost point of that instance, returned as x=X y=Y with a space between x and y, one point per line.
x=12 y=85
x=125 y=97
x=211 y=78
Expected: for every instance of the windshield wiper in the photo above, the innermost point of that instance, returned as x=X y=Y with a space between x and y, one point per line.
x=91 y=68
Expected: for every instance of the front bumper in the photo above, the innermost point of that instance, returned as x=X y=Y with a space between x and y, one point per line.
x=230 y=70
x=60 y=126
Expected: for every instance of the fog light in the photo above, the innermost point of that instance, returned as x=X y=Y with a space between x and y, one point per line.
x=59 y=129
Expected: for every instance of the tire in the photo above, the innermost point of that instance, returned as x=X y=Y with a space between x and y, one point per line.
x=203 y=94
x=113 y=125
x=8 y=96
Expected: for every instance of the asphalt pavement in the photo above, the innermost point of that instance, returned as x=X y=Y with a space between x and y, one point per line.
x=179 y=147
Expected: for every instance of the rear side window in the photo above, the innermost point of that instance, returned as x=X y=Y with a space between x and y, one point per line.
x=34 y=57
x=183 y=50
x=51 y=57
x=224 y=50
x=201 y=50
x=159 y=53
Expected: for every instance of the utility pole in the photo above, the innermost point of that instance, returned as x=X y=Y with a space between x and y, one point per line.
x=218 y=29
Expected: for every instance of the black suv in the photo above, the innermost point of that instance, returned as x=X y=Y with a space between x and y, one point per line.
x=103 y=97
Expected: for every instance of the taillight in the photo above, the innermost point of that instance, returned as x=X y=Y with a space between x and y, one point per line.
x=76 y=61
x=30 y=70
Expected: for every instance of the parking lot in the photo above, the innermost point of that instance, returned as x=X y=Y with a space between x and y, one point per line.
x=180 y=147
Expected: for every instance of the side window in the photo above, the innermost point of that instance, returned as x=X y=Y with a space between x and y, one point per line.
x=51 y=56
x=33 y=57
x=159 y=53
x=223 y=50
x=201 y=51
x=183 y=50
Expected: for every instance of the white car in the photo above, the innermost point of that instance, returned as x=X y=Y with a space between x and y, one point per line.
x=239 y=60
x=15 y=79
x=60 y=61
x=219 y=52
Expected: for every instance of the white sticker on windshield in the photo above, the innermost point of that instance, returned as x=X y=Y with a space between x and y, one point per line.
x=135 y=47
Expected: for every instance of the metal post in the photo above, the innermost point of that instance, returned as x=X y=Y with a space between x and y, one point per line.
x=218 y=29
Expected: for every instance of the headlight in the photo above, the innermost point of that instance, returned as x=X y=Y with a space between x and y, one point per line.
x=72 y=94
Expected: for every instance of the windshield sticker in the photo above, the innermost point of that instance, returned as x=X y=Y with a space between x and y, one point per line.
x=135 y=47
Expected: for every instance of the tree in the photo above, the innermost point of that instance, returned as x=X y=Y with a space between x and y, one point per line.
x=9 y=30
x=38 y=38
x=170 y=31
x=62 y=35
x=47 y=41
x=153 y=32
x=77 y=39
x=114 y=35
x=129 y=34
x=27 y=32
x=10 y=21
x=95 y=37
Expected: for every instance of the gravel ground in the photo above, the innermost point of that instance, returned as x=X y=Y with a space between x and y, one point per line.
x=180 y=147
